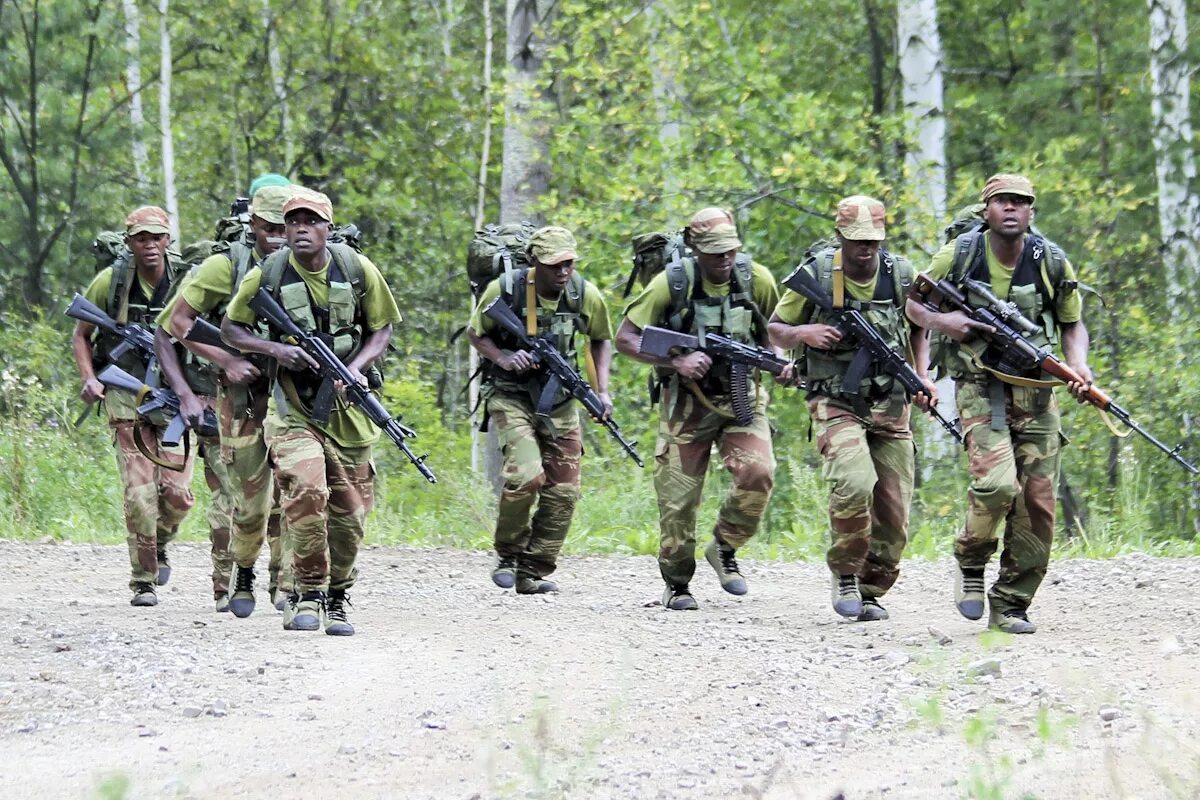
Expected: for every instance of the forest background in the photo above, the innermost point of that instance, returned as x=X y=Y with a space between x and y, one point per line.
x=424 y=119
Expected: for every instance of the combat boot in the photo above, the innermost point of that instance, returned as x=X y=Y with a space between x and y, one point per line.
x=337 y=623
x=1012 y=621
x=309 y=610
x=242 y=601
x=847 y=601
x=968 y=591
x=535 y=586
x=721 y=557
x=505 y=573
x=678 y=598
x=290 y=602
x=278 y=598
x=872 y=611
x=164 y=568
x=144 y=595
x=221 y=601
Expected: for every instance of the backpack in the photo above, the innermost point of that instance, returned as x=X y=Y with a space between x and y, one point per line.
x=651 y=254
x=497 y=250
x=107 y=248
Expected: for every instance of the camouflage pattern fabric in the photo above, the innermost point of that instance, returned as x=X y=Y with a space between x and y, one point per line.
x=220 y=513
x=869 y=466
x=1013 y=474
x=156 y=500
x=686 y=434
x=326 y=491
x=540 y=469
x=256 y=509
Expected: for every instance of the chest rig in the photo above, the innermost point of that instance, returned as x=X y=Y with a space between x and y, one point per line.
x=559 y=325
x=127 y=302
x=825 y=370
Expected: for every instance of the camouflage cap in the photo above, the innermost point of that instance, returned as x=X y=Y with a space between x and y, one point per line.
x=861 y=219
x=712 y=230
x=552 y=245
x=313 y=201
x=267 y=179
x=147 y=219
x=1004 y=183
x=269 y=201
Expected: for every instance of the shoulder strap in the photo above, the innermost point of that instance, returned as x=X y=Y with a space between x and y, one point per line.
x=118 y=290
x=902 y=278
x=574 y=293
x=679 y=275
x=346 y=259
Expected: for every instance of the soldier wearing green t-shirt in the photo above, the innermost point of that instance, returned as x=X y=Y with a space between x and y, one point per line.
x=723 y=292
x=236 y=466
x=325 y=472
x=541 y=446
x=862 y=432
x=1011 y=423
x=156 y=499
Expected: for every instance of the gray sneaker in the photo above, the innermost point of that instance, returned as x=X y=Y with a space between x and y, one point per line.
x=968 y=591
x=337 y=622
x=505 y=573
x=721 y=557
x=242 y=601
x=309 y=611
x=1014 y=621
x=144 y=595
x=535 y=586
x=678 y=598
x=872 y=611
x=847 y=601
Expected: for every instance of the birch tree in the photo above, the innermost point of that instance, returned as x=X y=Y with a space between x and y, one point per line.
x=920 y=49
x=279 y=86
x=1178 y=205
x=525 y=175
x=485 y=149
x=133 y=82
x=164 y=117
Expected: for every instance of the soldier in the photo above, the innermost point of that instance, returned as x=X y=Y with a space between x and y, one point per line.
x=1013 y=431
x=241 y=389
x=721 y=291
x=863 y=431
x=325 y=472
x=541 y=446
x=157 y=498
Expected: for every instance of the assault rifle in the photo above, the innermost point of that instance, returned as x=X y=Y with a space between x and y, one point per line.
x=872 y=348
x=1011 y=353
x=204 y=332
x=561 y=374
x=330 y=369
x=133 y=336
x=152 y=400
x=741 y=357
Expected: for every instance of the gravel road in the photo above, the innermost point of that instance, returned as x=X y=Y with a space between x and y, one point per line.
x=454 y=689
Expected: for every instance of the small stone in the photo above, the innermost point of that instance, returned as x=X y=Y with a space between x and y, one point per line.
x=62 y=647
x=454 y=574
x=780 y=723
x=984 y=666
x=1170 y=646
x=57 y=634
x=28 y=727
x=146 y=733
x=1109 y=713
x=940 y=636
x=347 y=750
x=316 y=697
x=192 y=711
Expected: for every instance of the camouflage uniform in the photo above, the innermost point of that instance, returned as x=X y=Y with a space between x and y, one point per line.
x=1013 y=432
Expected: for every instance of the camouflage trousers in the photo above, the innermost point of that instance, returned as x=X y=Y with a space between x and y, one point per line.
x=156 y=499
x=220 y=513
x=326 y=491
x=255 y=508
x=1013 y=475
x=869 y=466
x=686 y=434
x=541 y=481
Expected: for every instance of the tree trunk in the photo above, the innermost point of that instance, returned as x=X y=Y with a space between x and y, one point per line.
x=164 y=117
x=485 y=150
x=133 y=80
x=525 y=176
x=920 y=49
x=279 y=88
x=664 y=90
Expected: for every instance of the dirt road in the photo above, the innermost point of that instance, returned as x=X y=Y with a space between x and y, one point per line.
x=454 y=689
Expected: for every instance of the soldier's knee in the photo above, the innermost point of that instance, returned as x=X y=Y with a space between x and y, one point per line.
x=755 y=477
x=996 y=491
x=524 y=485
x=855 y=489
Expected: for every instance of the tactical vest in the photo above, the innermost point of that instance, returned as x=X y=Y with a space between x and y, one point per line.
x=127 y=303
x=558 y=325
x=201 y=374
x=340 y=324
x=735 y=315
x=1038 y=275
x=824 y=369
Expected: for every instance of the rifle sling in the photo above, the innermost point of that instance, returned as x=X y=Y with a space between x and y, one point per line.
x=140 y=443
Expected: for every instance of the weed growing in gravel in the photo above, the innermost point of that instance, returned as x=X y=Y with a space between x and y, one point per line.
x=114 y=787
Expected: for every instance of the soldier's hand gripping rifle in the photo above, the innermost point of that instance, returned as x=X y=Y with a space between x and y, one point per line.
x=560 y=374
x=133 y=337
x=330 y=369
x=1012 y=354
x=156 y=403
x=872 y=347
x=741 y=357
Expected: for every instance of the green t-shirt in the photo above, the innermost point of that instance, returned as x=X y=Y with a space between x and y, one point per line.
x=796 y=309
x=118 y=405
x=204 y=287
x=653 y=305
x=348 y=426
x=1068 y=307
x=592 y=307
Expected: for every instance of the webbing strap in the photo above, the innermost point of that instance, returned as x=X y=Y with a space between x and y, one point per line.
x=530 y=304
x=839 y=281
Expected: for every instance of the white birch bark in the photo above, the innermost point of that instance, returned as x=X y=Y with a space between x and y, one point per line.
x=525 y=175
x=133 y=81
x=1178 y=205
x=485 y=150
x=920 y=50
x=164 y=117
x=663 y=88
x=279 y=87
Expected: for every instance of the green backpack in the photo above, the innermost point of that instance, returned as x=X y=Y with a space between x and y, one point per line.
x=107 y=248
x=651 y=253
x=497 y=250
